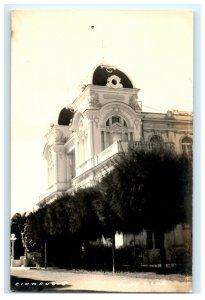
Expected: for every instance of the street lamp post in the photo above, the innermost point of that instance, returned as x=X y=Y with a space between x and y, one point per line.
x=12 y=239
x=25 y=248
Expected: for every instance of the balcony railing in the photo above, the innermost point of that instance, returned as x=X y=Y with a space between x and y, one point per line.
x=107 y=153
x=122 y=146
x=118 y=147
x=57 y=187
x=151 y=146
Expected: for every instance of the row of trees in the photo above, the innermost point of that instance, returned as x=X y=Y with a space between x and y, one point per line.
x=145 y=190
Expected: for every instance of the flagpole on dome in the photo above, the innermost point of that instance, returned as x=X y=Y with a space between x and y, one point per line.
x=103 y=63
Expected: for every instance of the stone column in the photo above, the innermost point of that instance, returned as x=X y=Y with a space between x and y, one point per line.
x=91 y=140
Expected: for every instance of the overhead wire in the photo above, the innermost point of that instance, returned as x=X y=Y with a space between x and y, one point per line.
x=154 y=108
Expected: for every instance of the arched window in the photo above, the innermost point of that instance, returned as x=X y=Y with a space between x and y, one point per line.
x=186 y=145
x=116 y=119
x=116 y=130
x=71 y=163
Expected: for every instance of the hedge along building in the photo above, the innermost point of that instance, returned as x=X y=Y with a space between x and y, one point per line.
x=101 y=122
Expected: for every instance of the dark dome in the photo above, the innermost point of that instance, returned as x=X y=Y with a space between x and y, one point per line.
x=102 y=73
x=65 y=116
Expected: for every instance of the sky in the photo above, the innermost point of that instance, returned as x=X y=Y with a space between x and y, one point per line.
x=53 y=52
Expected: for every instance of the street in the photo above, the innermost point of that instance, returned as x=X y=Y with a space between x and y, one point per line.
x=61 y=280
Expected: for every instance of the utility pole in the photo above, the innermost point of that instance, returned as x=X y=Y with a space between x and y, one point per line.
x=45 y=255
x=12 y=239
x=113 y=251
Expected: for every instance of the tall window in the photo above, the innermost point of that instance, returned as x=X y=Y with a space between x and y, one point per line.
x=153 y=240
x=116 y=130
x=186 y=145
x=72 y=164
x=82 y=149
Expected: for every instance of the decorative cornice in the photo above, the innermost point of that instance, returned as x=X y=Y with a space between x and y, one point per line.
x=179 y=131
x=58 y=137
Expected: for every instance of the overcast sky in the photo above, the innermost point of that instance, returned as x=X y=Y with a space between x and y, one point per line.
x=55 y=51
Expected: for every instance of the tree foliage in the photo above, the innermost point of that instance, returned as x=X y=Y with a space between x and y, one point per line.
x=84 y=221
x=18 y=222
x=149 y=190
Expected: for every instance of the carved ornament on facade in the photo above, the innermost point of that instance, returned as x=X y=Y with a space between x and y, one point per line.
x=60 y=153
x=82 y=128
x=90 y=116
x=114 y=81
x=134 y=103
x=156 y=132
x=96 y=120
x=93 y=100
x=50 y=158
x=137 y=123
x=116 y=109
x=169 y=115
x=58 y=137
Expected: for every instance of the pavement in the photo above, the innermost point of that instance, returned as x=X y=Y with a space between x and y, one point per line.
x=80 y=281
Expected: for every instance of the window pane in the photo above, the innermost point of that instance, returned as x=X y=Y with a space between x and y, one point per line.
x=157 y=244
x=149 y=240
x=126 y=136
x=157 y=239
x=149 y=244
x=107 y=139
x=149 y=235
x=102 y=140
x=186 y=145
x=115 y=119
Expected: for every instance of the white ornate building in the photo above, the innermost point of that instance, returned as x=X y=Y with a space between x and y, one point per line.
x=101 y=122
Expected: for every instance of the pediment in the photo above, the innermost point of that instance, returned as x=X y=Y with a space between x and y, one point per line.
x=116 y=126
